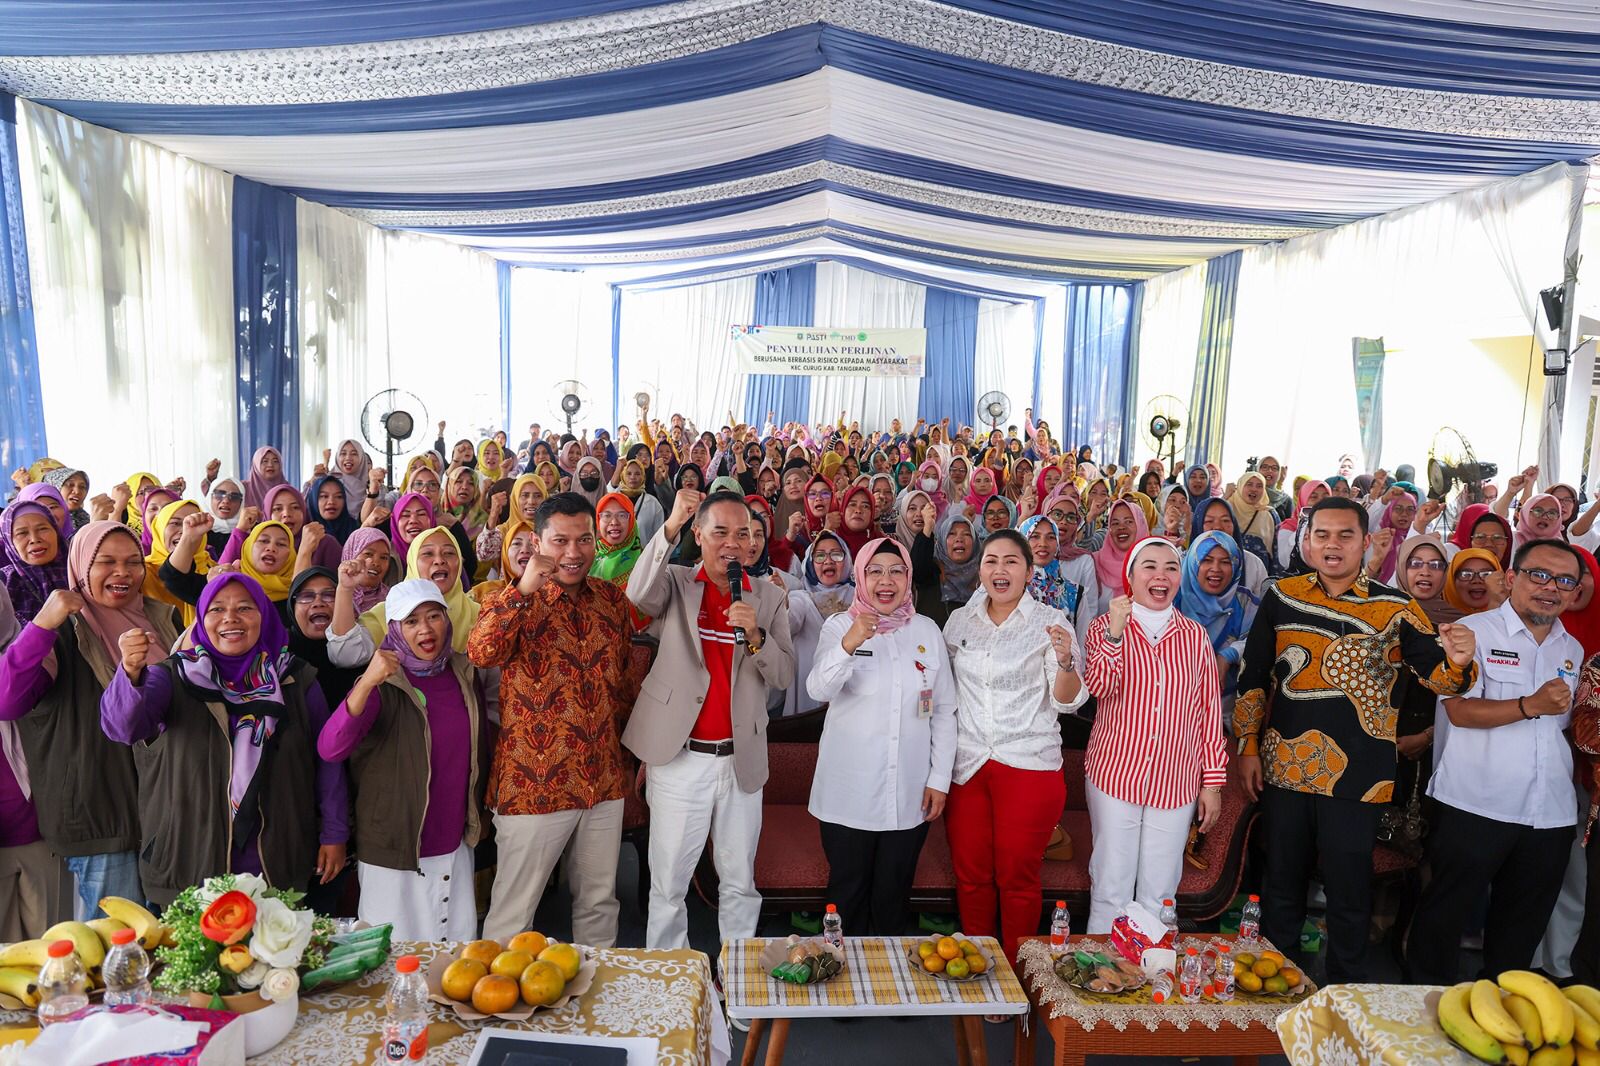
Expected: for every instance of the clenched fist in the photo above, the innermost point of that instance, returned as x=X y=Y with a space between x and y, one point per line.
x=58 y=607
x=1460 y=643
x=135 y=647
x=539 y=569
x=862 y=629
x=384 y=665
x=1121 y=611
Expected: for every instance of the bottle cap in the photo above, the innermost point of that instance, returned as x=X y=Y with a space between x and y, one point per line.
x=1255 y=899
x=1167 y=903
x=406 y=964
x=61 y=949
x=1158 y=997
x=1061 y=903
x=832 y=909
x=1223 y=947
x=123 y=936
x=1190 y=951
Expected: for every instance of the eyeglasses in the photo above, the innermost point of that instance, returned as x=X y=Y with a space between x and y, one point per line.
x=1545 y=513
x=1540 y=577
x=892 y=571
x=1489 y=538
x=828 y=557
x=819 y=495
x=1424 y=564
x=231 y=497
x=1474 y=577
x=309 y=597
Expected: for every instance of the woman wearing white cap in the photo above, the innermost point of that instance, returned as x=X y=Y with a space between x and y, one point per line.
x=414 y=716
x=1156 y=750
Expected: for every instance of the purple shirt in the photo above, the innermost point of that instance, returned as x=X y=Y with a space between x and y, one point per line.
x=23 y=678
x=19 y=821
x=449 y=755
x=129 y=714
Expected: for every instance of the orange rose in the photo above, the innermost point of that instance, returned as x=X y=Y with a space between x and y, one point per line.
x=229 y=919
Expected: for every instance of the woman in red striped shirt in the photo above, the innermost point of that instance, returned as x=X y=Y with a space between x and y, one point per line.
x=1156 y=750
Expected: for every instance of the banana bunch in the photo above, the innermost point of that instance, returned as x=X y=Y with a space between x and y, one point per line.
x=1524 y=1020
x=20 y=962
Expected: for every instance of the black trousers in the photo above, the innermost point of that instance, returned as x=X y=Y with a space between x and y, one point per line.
x=870 y=874
x=1586 y=953
x=1300 y=831
x=1520 y=868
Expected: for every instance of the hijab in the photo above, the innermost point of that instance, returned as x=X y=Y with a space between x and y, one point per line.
x=218 y=523
x=408 y=597
x=1302 y=501
x=762 y=510
x=106 y=623
x=462 y=609
x=256 y=483
x=513 y=509
x=1584 y=624
x=355 y=485
x=902 y=529
x=1531 y=529
x=1436 y=607
x=1154 y=621
x=1220 y=615
x=929 y=471
x=1474 y=515
x=1110 y=564
x=146 y=536
x=860 y=605
x=1152 y=519
x=595 y=494
x=397 y=540
x=1048 y=584
x=1452 y=595
x=1255 y=519
x=615 y=564
x=27 y=585
x=1067 y=492
x=815 y=523
x=853 y=540
x=335 y=681
x=976 y=497
x=135 y=517
x=359 y=541
x=784 y=508
x=830 y=599
x=159 y=552
x=484 y=589
x=1387 y=567
x=338 y=528
x=497 y=470
x=275 y=584
x=959 y=580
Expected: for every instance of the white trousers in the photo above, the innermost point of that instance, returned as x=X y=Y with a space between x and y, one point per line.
x=1137 y=854
x=691 y=796
x=529 y=846
x=436 y=904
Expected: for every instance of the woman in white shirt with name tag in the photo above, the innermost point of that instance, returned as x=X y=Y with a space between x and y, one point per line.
x=888 y=742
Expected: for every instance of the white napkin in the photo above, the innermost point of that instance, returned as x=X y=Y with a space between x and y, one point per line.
x=107 y=1037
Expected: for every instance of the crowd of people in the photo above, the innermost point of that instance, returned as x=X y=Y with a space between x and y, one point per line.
x=297 y=680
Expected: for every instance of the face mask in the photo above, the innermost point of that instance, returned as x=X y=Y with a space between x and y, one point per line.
x=929 y=484
x=589 y=483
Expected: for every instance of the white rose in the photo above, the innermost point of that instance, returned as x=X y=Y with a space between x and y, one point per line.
x=253 y=976
x=281 y=934
x=249 y=884
x=280 y=985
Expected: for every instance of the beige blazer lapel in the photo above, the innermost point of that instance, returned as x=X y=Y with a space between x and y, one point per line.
x=694 y=591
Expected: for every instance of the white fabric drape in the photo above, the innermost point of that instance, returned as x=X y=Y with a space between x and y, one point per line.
x=1004 y=357
x=848 y=296
x=680 y=339
x=381 y=309
x=1169 y=329
x=131 y=252
x=561 y=329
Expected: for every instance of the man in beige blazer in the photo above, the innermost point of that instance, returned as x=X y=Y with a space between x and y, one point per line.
x=700 y=723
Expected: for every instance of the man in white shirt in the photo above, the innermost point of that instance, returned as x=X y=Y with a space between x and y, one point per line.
x=1503 y=776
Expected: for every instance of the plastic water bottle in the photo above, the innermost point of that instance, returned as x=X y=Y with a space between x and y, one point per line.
x=63 y=984
x=1191 y=981
x=1060 y=927
x=833 y=927
x=1169 y=919
x=405 y=1030
x=1250 y=922
x=1161 y=987
x=126 y=970
x=1222 y=977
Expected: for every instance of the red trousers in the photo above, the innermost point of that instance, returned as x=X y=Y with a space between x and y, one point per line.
x=999 y=823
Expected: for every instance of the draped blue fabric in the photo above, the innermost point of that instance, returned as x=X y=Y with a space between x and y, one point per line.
x=785 y=297
x=949 y=381
x=1208 y=404
x=265 y=295
x=616 y=353
x=503 y=282
x=1094 y=382
x=22 y=437
x=1130 y=394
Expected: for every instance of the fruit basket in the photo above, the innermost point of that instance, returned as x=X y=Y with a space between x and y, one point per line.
x=801 y=960
x=483 y=980
x=951 y=958
x=1263 y=973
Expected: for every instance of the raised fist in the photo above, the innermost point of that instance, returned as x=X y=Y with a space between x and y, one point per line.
x=1121 y=611
x=135 y=647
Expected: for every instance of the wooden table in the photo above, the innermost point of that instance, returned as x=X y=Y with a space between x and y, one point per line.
x=1075 y=1040
x=878 y=982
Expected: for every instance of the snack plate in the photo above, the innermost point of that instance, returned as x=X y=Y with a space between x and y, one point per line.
x=777 y=952
x=915 y=956
x=576 y=987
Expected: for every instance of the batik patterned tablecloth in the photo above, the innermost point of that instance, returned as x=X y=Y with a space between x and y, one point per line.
x=878 y=979
x=1353 y=1025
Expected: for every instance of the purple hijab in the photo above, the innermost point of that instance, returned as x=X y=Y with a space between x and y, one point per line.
x=360 y=540
x=257 y=484
x=28 y=585
x=399 y=543
x=146 y=533
x=394 y=640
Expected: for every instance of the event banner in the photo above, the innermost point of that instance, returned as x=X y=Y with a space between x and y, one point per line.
x=862 y=353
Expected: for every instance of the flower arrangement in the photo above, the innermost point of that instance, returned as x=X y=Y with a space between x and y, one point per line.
x=235 y=934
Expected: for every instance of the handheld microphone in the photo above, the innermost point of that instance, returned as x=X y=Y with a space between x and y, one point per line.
x=735 y=593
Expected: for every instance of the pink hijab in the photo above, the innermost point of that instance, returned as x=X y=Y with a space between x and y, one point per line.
x=1109 y=563
x=1065 y=491
x=257 y=484
x=107 y=623
x=887 y=623
x=1530 y=528
x=1302 y=503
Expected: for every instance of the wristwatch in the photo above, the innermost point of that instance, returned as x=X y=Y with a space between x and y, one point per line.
x=760 y=641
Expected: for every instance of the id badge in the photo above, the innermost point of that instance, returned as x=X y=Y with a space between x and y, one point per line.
x=925 y=703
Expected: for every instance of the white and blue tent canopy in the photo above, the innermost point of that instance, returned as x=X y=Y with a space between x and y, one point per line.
x=1043 y=139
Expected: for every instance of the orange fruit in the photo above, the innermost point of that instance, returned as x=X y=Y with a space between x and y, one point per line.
x=494 y=994
x=1276 y=984
x=510 y=963
x=541 y=983
x=1249 y=982
x=459 y=978
x=1264 y=968
x=1246 y=958
x=934 y=963
x=482 y=950
x=956 y=968
x=1274 y=956
x=1291 y=976
x=948 y=948
x=566 y=958
x=976 y=963
x=967 y=947
x=528 y=941
x=925 y=949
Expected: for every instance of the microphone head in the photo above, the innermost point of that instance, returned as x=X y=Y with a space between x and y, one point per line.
x=735 y=573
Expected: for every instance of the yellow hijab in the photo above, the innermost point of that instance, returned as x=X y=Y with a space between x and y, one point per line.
x=276 y=585
x=159 y=552
x=462 y=609
x=512 y=514
x=492 y=473
x=484 y=589
x=1145 y=504
x=539 y=471
x=133 y=519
